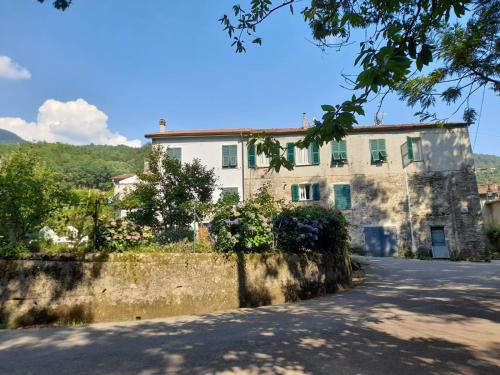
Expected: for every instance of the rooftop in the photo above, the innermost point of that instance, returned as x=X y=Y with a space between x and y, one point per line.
x=277 y=131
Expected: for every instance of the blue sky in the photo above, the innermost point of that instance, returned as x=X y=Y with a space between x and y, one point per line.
x=133 y=62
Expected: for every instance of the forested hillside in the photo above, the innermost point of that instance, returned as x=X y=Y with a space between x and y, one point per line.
x=88 y=166
x=7 y=137
x=487 y=168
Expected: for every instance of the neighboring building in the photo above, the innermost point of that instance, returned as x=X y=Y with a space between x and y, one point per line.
x=431 y=204
x=122 y=185
x=488 y=192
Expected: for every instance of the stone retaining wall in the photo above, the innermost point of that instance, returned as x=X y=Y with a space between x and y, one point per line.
x=64 y=289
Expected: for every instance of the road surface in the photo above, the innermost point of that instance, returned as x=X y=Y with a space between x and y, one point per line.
x=409 y=317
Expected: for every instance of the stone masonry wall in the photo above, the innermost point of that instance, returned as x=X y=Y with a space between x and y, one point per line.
x=59 y=289
x=437 y=198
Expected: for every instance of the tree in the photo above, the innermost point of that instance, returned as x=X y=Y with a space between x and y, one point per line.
x=30 y=193
x=404 y=37
x=171 y=194
x=59 y=4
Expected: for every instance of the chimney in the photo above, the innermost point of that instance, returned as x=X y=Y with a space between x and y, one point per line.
x=305 y=123
x=163 y=124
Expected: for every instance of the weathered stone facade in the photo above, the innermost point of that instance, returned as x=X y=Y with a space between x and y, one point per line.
x=439 y=190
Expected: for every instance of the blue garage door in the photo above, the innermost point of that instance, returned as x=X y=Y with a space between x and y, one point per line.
x=381 y=241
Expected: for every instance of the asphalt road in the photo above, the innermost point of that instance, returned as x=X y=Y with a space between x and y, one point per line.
x=409 y=317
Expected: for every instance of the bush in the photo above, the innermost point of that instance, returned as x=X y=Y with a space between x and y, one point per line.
x=119 y=235
x=175 y=235
x=493 y=234
x=311 y=228
x=244 y=226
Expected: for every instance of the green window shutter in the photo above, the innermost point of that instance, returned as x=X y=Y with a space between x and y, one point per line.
x=225 y=156
x=251 y=156
x=233 y=156
x=276 y=151
x=290 y=153
x=381 y=149
x=295 y=193
x=342 y=195
x=409 y=142
x=315 y=154
x=316 y=192
x=374 y=150
x=339 y=150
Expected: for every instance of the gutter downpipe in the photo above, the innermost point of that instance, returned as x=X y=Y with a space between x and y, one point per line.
x=242 y=168
x=413 y=249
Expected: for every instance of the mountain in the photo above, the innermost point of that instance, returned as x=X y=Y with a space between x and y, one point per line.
x=89 y=166
x=7 y=137
x=487 y=168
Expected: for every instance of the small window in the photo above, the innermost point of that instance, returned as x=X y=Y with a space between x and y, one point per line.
x=306 y=192
x=229 y=156
x=226 y=191
x=262 y=160
x=342 y=196
x=339 y=151
x=377 y=150
x=175 y=153
x=305 y=156
x=417 y=149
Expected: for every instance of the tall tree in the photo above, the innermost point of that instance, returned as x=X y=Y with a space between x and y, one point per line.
x=30 y=193
x=171 y=194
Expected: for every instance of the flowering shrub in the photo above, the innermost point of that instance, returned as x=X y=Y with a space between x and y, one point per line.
x=311 y=228
x=119 y=235
x=244 y=226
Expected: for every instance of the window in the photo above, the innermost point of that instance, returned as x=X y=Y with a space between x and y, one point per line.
x=416 y=147
x=339 y=151
x=229 y=156
x=230 y=191
x=175 y=153
x=305 y=192
x=377 y=150
x=262 y=160
x=342 y=196
x=306 y=156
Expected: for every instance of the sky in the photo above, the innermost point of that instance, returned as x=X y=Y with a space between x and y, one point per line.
x=105 y=72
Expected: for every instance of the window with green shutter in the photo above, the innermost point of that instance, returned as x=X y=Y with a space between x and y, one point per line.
x=316 y=194
x=339 y=151
x=342 y=196
x=290 y=153
x=377 y=150
x=295 y=192
x=175 y=153
x=251 y=156
x=315 y=154
x=229 y=156
x=228 y=191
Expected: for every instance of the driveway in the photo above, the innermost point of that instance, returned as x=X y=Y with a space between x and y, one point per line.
x=409 y=317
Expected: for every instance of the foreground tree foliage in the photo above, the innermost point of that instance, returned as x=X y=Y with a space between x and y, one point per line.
x=171 y=195
x=402 y=38
x=29 y=192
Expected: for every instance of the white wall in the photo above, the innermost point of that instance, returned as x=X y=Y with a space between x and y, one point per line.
x=209 y=151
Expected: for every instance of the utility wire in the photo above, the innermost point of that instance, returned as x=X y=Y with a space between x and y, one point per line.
x=479 y=119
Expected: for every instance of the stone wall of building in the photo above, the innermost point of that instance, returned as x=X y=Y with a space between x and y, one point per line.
x=448 y=199
x=66 y=289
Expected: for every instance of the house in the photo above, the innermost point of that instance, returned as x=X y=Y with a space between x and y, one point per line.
x=407 y=188
x=123 y=184
x=488 y=192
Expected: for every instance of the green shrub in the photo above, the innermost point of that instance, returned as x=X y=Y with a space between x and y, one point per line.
x=246 y=226
x=175 y=235
x=493 y=234
x=311 y=228
x=9 y=249
x=119 y=235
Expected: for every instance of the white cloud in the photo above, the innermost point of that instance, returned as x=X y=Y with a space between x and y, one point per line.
x=11 y=70
x=75 y=122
